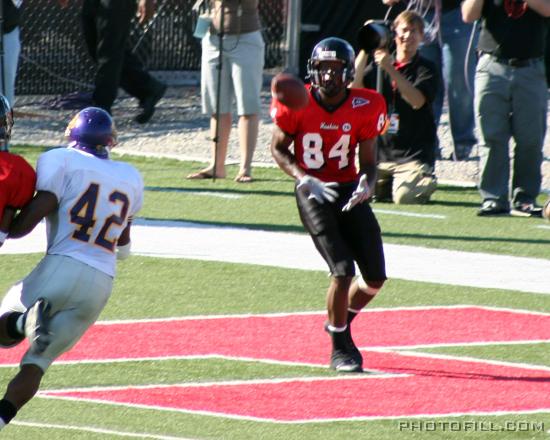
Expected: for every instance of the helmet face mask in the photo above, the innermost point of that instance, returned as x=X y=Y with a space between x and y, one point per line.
x=6 y=123
x=92 y=130
x=331 y=76
x=332 y=66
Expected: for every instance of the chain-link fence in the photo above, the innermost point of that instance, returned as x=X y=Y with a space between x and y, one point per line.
x=54 y=58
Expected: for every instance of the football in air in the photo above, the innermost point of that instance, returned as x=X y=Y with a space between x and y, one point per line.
x=289 y=90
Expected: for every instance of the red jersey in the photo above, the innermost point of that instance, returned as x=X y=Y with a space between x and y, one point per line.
x=17 y=181
x=325 y=143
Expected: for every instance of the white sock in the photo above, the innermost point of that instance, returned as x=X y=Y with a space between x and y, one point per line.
x=2 y=423
x=333 y=329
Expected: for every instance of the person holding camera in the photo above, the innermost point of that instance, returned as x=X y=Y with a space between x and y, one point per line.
x=448 y=44
x=407 y=149
x=511 y=102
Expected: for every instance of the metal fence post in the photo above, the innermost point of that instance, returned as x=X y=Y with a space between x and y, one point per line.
x=293 y=32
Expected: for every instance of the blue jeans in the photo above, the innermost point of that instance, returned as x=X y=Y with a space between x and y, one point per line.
x=450 y=59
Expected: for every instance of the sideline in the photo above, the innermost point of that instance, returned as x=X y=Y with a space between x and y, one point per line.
x=170 y=239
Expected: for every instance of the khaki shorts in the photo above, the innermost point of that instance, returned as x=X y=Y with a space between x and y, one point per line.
x=241 y=75
x=407 y=183
x=77 y=294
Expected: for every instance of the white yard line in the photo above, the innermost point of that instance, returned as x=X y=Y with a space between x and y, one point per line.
x=417 y=354
x=228 y=383
x=96 y=430
x=409 y=214
x=467 y=344
x=167 y=239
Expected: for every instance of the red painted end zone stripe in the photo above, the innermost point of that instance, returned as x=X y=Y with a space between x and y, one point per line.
x=436 y=387
x=297 y=338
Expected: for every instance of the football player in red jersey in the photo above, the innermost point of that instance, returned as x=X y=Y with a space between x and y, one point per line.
x=337 y=124
x=17 y=177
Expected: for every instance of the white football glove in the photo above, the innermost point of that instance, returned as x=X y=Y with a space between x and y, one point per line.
x=360 y=195
x=318 y=189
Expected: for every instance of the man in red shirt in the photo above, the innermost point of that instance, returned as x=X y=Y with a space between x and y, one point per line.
x=17 y=177
x=337 y=124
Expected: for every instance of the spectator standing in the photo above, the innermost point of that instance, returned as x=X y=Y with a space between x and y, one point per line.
x=87 y=200
x=406 y=149
x=446 y=45
x=17 y=177
x=11 y=48
x=241 y=79
x=511 y=101
x=106 y=26
x=337 y=124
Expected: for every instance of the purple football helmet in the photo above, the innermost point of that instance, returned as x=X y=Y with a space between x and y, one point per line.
x=92 y=130
x=6 y=123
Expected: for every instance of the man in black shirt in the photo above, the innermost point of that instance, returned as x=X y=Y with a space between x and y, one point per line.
x=106 y=26
x=511 y=101
x=406 y=150
x=449 y=44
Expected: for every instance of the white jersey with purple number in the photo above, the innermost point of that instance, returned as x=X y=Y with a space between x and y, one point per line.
x=96 y=197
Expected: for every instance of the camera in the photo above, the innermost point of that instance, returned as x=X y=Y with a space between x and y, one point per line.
x=375 y=34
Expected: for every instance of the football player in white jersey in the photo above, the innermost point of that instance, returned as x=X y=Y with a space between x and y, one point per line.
x=88 y=201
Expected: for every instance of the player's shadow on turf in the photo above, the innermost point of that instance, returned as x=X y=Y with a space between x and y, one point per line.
x=470 y=376
x=454 y=204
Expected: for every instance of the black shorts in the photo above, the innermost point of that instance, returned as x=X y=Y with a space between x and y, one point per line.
x=344 y=238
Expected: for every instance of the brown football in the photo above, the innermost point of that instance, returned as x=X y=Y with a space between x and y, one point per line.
x=289 y=90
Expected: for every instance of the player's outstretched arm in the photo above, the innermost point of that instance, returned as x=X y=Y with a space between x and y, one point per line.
x=42 y=204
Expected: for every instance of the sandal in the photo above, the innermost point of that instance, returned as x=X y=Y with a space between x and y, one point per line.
x=243 y=178
x=204 y=174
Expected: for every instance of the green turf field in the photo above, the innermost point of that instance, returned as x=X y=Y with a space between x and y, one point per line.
x=157 y=288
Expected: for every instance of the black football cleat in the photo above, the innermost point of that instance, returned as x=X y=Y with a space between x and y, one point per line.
x=345 y=362
x=345 y=357
x=36 y=326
